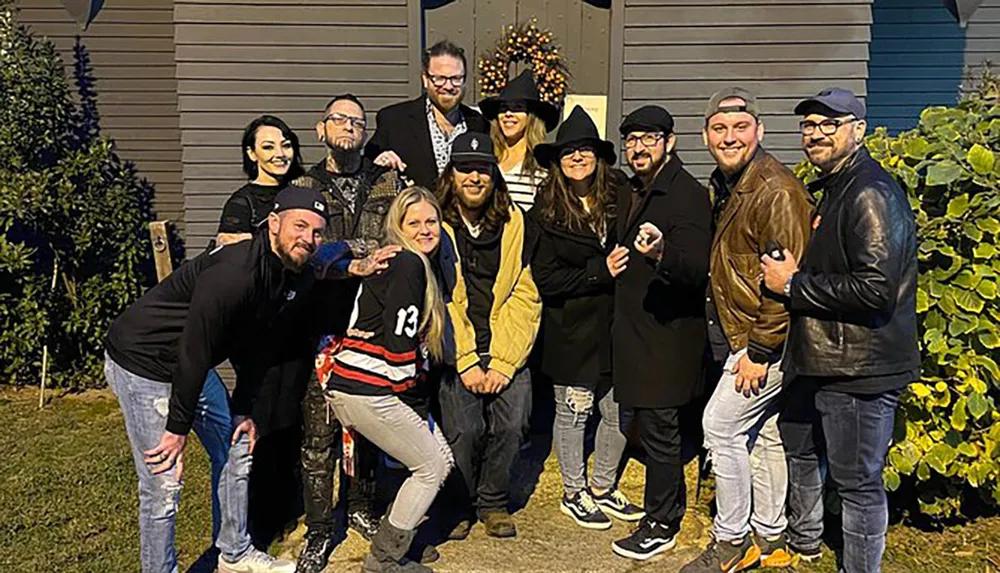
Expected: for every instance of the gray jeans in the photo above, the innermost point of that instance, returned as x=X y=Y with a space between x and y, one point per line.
x=399 y=432
x=574 y=405
x=748 y=459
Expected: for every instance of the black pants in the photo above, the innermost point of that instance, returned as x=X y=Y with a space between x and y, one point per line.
x=485 y=433
x=666 y=496
x=320 y=452
x=275 y=484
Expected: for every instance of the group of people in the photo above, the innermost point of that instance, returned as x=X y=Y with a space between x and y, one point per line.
x=400 y=302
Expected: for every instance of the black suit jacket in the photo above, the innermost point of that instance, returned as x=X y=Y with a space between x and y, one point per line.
x=658 y=332
x=403 y=128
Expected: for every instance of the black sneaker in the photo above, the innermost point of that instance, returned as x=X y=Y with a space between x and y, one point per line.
x=615 y=504
x=774 y=552
x=364 y=522
x=807 y=555
x=649 y=538
x=582 y=509
x=725 y=557
x=313 y=559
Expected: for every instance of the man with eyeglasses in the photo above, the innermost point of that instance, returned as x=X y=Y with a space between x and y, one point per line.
x=658 y=333
x=415 y=137
x=495 y=309
x=358 y=193
x=852 y=339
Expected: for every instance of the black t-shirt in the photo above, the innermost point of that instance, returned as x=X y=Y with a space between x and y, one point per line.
x=247 y=208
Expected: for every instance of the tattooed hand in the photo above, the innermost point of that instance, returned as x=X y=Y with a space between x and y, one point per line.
x=374 y=263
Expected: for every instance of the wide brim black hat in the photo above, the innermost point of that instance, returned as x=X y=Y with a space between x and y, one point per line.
x=522 y=89
x=577 y=129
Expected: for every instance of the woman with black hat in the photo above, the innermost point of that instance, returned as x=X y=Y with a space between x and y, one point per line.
x=519 y=120
x=575 y=217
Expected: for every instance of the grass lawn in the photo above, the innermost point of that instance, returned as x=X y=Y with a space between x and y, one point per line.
x=68 y=503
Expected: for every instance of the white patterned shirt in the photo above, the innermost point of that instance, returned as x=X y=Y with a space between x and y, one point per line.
x=440 y=141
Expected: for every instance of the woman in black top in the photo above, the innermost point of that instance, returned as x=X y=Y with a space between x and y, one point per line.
x=271 y=158
x=574 y=215
x=374 y=375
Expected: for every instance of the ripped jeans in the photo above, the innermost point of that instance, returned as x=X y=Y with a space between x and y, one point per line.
x=574 y=405
x=144 y=405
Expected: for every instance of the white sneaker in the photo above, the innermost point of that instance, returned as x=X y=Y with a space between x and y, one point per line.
x=256 y=561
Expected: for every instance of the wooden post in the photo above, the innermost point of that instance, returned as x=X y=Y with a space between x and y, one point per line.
x=45 y=347
x=161 y=249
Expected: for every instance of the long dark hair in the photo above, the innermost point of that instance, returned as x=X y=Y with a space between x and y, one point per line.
x=250 y=141
x=561 y=207
x=497 y=206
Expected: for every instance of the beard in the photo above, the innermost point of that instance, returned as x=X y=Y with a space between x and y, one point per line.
x=288 y=259
x=476 y=197
x=344 y=156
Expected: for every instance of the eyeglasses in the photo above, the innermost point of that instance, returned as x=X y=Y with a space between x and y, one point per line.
x=513 y=107
x=439 y=81
x=647 y=139
x=826 y=127
x=340 y=120
x=586 y=152
x=482 y=168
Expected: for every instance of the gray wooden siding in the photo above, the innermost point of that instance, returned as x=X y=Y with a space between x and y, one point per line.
x=676 y=53
x=238 y=59
x=580 y=28
x=982 y=39
x=131 y=44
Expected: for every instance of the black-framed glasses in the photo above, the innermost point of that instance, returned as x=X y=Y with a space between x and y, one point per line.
x=826 y=127
x=474 y=166
x=585 y=151
x=340 y=120
x=513 y=107
x=647 y=139
x=440 y=81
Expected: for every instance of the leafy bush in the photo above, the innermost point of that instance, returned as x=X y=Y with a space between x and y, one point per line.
x=944 y=457
x=74 y=248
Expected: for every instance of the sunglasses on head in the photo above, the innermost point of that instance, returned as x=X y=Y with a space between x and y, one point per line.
x=479 y=167
x=513 y=107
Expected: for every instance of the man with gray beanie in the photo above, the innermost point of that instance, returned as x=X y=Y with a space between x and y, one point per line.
x=852 y=337
x=759 y=205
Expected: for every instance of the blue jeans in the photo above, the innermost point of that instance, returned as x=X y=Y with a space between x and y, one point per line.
x=851 y=433
x=145 y=404
x=748 y=460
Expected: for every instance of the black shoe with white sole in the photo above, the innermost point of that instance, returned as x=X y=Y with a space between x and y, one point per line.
x=649 y=538
x=582 y=509
x=615 y=504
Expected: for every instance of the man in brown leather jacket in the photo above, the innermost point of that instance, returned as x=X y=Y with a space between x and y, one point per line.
x=758 y=203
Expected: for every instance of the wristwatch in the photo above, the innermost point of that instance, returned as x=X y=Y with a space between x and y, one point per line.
x=787 y=291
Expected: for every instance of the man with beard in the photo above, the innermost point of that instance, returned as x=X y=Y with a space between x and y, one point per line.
x=852 y=339
x=220 y=305
x=658 y=332
x=416 y=136
x=495 y=308
x=758 y=202
x=359 y=194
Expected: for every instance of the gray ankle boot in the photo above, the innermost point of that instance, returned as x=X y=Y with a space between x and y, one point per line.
x=388 y=552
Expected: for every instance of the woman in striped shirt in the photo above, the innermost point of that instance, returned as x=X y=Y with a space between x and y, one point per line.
x=374 y=375
x=519 y=120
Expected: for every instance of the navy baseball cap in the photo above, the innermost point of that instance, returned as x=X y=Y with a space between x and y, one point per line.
x=293 y=197
x=473 y=147
x=839 y=100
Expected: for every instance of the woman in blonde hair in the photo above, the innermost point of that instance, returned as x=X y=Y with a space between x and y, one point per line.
x=374 y=374
x=519 y=120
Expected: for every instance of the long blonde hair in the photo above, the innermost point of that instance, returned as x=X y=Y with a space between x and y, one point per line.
x=432 y=323
x=535 y=132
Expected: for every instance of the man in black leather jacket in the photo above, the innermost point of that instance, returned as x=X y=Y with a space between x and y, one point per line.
x=852 y=340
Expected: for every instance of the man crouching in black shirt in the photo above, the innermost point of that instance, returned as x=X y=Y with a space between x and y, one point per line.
x=218 y=306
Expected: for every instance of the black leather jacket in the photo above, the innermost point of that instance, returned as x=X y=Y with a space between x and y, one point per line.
x=853 y=301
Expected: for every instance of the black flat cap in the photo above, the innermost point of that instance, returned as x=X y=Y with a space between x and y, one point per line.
x=648 y=118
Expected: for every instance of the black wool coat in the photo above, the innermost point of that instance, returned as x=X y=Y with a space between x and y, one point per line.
x=403 y=128
x=570 y=270
x=659 y=332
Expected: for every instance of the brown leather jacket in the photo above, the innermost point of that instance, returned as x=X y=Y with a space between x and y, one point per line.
x=767 y=203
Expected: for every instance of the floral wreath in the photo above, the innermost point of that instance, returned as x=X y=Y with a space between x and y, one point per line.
x=525 y=43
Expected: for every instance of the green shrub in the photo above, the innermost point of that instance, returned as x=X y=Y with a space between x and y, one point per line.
x=74 y=248
x=946 y=443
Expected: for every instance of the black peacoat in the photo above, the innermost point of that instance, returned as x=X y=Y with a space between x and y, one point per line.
x=403 y=128
x=571 y=273
x=658 y=332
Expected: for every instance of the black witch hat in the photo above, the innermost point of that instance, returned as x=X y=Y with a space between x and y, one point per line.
x=522 y=89
x=578 y=129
